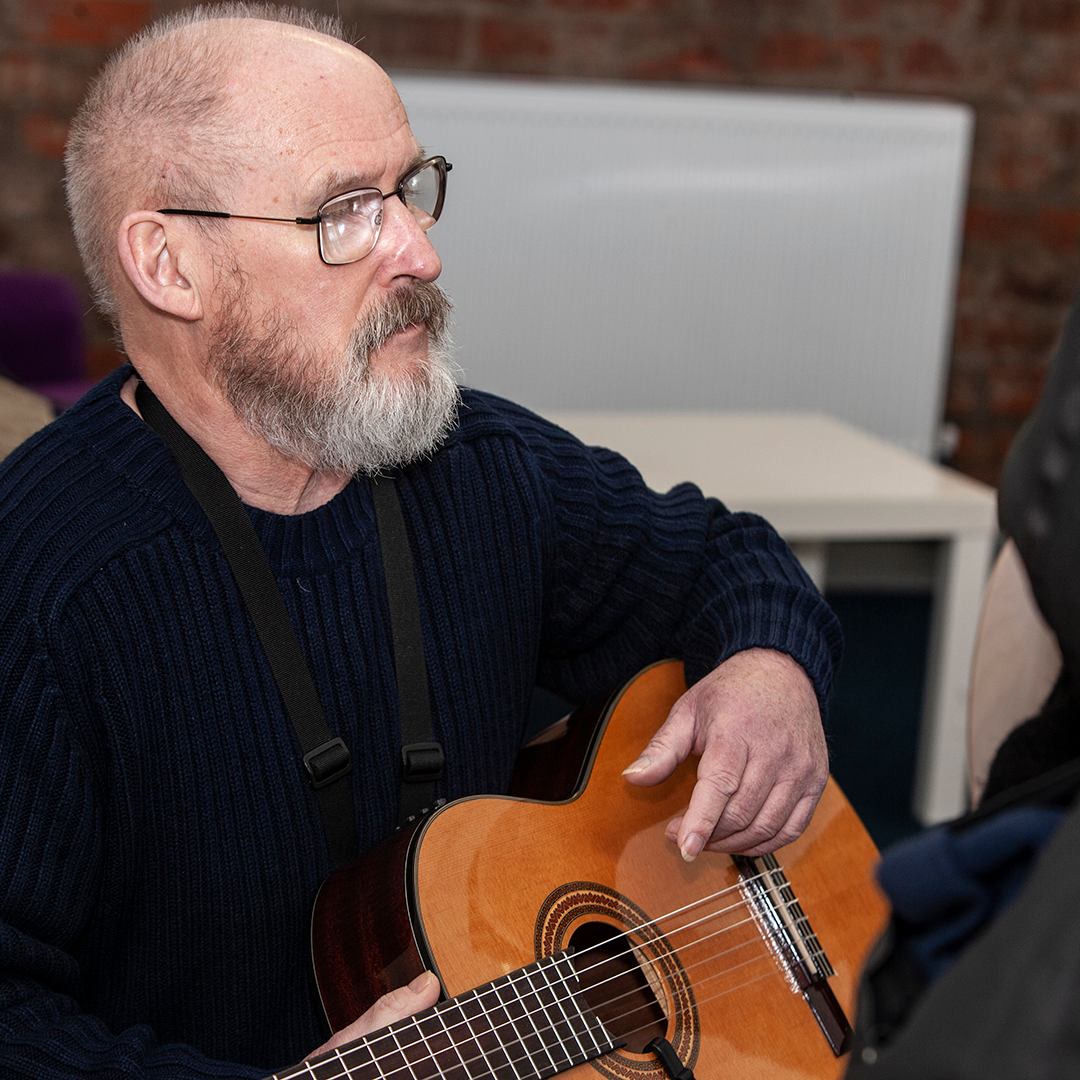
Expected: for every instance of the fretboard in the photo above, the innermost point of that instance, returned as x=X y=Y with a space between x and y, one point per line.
x=529 y=1024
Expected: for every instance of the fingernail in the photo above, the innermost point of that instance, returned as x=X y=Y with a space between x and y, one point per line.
x=640 y=765
x=421 y=982
x=691 y=847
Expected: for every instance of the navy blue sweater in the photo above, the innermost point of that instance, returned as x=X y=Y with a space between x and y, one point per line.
x=159 y=849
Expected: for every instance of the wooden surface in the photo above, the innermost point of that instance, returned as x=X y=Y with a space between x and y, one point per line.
x=22 y=412
x=813 y=476
x=491 y=874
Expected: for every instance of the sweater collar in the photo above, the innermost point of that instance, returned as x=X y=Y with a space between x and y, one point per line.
x=293 y=543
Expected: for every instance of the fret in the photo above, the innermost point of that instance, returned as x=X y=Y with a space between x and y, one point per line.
x=553 y=1030
x=532 y=1048
x=403 y=1047
x=442 y=1057
x=488 y=1028
x=472 y=1063
x=584 y=1026
x=528 y=1025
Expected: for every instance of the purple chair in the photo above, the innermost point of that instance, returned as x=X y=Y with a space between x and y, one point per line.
x=41 y=335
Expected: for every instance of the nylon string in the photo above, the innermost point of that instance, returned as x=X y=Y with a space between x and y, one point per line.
x=577 y=975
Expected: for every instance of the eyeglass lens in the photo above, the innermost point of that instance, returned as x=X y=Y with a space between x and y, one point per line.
x=349 y=224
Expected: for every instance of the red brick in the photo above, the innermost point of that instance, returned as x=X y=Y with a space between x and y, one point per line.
x=1050 y=16
x=45 y=135
x=1039 y=275
x=95 y=22
x=1013 y=334
x=928 y=59
x=790 y=51
x=1059 y=228
x=700 y=62
x=859 y=11
x=997 y=223
x=966 y=397
x=1014 y=390
x=865 y=56
x=412 y=38
x=503 y=40
x=31 y=80
x=593 y=5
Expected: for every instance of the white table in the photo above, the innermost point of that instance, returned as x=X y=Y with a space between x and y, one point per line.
x=823 y=483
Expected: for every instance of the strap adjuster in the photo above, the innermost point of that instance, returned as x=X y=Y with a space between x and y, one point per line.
x=328 y=763
x=422 y=762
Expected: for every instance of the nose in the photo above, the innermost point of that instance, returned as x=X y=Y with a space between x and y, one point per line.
x=404 y=249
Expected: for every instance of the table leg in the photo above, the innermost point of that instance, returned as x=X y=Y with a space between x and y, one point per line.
x=960 y=577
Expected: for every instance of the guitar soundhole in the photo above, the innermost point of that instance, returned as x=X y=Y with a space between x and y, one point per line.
x=615 y=985
x=660 y=997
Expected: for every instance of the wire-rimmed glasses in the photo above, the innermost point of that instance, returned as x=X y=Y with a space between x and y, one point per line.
x=350 y=223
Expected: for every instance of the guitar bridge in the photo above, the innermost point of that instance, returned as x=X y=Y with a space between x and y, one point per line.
x=791 y=939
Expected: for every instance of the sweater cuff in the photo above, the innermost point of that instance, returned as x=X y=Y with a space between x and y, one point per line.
x=773 y=615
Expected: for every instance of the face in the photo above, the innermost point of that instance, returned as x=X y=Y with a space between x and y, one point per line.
x=340 y=367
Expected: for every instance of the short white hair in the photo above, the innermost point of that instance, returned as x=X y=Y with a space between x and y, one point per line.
x=157 y=129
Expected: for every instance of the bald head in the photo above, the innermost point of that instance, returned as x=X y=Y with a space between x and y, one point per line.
x=171 y=119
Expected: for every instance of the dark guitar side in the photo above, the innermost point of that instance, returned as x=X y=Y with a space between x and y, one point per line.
x=362 y=940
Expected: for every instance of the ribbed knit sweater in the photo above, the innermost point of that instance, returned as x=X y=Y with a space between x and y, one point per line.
x=159 y=848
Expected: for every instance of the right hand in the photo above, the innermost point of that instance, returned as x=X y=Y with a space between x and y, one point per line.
x=420 y=994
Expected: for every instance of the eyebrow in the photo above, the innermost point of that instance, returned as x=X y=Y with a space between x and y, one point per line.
x=334 y=182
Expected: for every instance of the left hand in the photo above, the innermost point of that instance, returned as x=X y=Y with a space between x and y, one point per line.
x=755 y=724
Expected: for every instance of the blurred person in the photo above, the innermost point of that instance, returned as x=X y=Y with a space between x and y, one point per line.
x=253 y=209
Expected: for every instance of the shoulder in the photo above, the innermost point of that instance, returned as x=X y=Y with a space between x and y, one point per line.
x=71 y=499
x=484 y=416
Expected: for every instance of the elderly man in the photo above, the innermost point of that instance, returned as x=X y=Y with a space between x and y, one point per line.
x=253 y=210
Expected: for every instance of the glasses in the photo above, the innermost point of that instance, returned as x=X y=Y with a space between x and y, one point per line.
x=349 y=224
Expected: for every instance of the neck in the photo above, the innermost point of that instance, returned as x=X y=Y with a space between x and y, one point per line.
x=260 y=475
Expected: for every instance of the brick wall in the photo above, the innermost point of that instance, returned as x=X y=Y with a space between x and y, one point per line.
x=1016 y=61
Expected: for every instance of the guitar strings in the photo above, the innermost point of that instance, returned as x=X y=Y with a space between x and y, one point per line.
x=518 y=977
x=652 y=961
x=366 y=1041
x=539 y=1030
x=528 y=1056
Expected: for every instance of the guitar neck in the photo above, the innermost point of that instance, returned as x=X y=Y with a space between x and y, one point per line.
x=532 y=1023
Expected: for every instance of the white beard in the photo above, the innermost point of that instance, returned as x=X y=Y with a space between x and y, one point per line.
x=344 y=417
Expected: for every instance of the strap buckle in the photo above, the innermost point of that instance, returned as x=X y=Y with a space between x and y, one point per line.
x=328 y=763
x=422 y=762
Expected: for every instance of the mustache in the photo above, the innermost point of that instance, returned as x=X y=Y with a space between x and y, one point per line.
x=420 y=304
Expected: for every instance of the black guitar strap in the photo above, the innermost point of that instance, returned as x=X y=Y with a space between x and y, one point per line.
x=326 y=758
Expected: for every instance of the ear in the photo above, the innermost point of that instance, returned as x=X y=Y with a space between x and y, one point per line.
x=151 y=252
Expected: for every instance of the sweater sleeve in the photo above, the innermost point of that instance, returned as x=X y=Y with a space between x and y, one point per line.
x=634 y=576
x=50 y=848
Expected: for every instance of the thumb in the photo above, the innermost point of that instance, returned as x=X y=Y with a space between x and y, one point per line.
x=420 y=994
x=667 y=749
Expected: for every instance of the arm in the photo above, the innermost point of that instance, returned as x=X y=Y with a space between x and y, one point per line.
x=51 y=837
x=638 y=576
x=50 y=849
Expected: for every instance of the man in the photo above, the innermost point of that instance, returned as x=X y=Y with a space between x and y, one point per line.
x=160 y=845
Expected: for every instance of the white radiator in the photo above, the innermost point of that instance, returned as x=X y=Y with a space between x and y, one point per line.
x=623 y=247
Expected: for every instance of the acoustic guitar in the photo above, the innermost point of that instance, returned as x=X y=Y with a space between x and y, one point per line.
x=570 y=937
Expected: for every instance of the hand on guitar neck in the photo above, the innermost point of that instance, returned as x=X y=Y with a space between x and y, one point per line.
x=755 y=725
x=403 y=1002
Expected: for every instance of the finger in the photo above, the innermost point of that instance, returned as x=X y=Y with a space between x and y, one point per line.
x=420 y=994
x=720 y=775
x=667 y=749
x=763 y=836
x=755 y=819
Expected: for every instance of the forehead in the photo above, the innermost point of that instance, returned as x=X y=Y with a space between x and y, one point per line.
x=324 y=108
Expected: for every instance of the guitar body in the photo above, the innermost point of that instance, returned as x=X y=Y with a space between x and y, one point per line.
x=488 y=885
